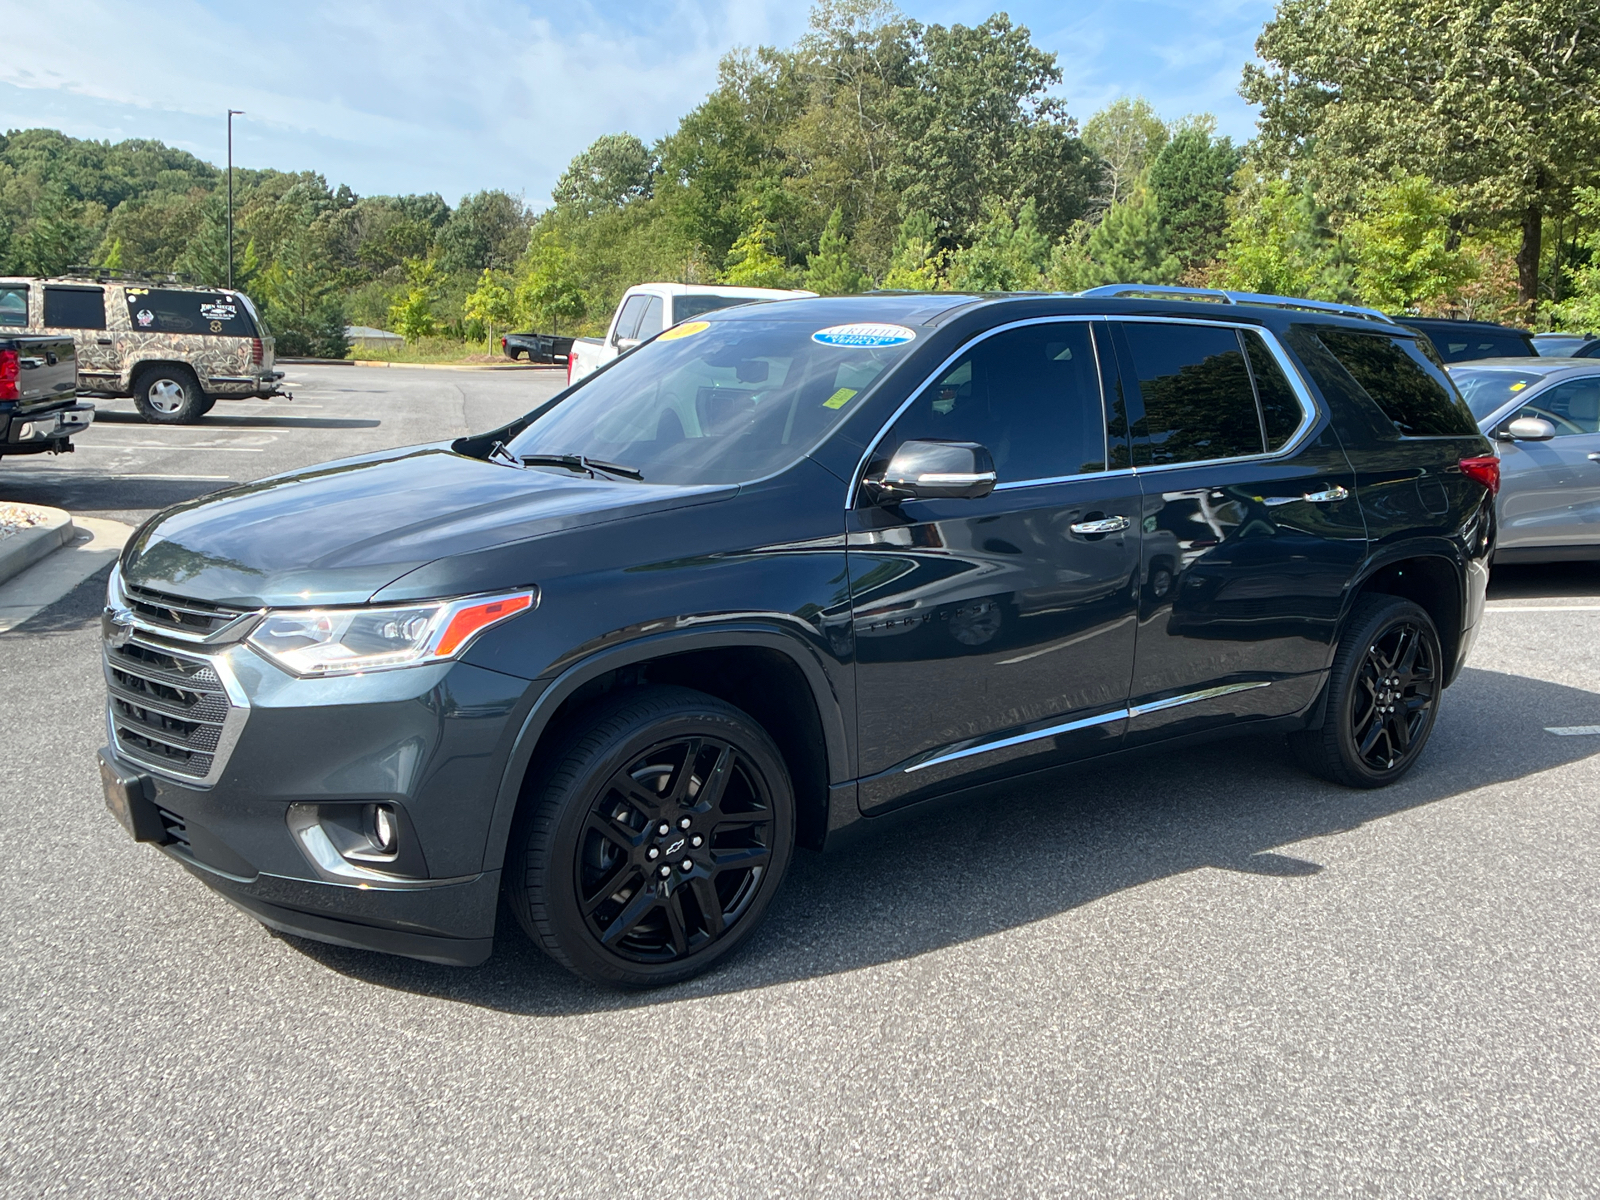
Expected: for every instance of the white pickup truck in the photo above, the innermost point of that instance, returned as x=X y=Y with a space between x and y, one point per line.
x=651 y=307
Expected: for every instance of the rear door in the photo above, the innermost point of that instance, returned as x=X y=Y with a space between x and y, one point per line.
x=81 y=311
x=1252 y=527
x=998 y=632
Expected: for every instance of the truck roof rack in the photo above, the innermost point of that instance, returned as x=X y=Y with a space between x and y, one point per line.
x=1159 y=291
x=114 y=275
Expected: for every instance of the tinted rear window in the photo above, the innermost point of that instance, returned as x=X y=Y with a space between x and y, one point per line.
x=1464 y=347
x=684 y=307
x=1281 y=413
x=157 y=310
x=1411 y=391
x=1198 y=402
x=74 y=308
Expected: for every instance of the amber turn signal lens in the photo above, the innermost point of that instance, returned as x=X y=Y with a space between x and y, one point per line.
x=471 y=621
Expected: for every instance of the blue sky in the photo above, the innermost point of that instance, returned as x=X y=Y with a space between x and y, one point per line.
x=423 y=97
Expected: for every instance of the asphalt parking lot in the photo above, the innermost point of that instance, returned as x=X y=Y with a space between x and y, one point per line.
x=1186 y=973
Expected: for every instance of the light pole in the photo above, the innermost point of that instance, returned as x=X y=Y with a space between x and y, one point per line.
x=232 y=113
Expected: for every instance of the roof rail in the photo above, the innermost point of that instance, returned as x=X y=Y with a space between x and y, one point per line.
x=1160 y=291
x=113 y=274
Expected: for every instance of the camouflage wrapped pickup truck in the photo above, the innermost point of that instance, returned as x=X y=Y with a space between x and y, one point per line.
x=174 y=348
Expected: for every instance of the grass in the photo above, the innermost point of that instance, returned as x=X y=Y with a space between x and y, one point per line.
x=432 y=350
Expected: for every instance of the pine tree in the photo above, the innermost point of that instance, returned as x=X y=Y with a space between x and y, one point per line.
x=1006 y=255
x=1190 y=181
x=829 y=272
x=751 y=262
x=915 y=265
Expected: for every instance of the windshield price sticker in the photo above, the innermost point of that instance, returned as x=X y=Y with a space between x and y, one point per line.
x=864 y=335
x=688 y=329
x=840 y=398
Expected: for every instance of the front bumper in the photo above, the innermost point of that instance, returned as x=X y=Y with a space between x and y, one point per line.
x=431 y=742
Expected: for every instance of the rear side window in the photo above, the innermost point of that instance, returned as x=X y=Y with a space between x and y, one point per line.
x=1198 y=400
x=158 y=310
x=74 y=308
x=13 y=306
x=1281 y=413
x=1410 y=390
x=1031 y=395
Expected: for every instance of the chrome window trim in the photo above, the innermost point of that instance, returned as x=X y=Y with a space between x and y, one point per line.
x=1310 y=412
x=1129 y=712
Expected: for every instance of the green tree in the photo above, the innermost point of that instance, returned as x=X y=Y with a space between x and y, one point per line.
x=412 y=317
x=1127 y=136
x=489 y=230
x=1401 y=246
x=1280 y=243
x=752 y=263
x=615 y=170
x=915 y=265
x=491 y=303
x=1128 y=245
x=1006 y=255
x=1496 y=99
x=1581 y=309
x=549 y=292
x=1190 y=180
x=829 y=272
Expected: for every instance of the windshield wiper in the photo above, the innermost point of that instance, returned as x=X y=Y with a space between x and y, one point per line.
x=499 y=454
x=582 y=463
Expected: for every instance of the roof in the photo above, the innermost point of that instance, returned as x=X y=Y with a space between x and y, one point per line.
x=697 y=289
x=1447 y=324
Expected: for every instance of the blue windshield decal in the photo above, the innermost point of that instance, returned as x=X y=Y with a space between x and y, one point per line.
x=864 y=335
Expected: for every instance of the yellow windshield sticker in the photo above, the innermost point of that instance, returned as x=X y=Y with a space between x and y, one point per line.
x=688 y=329
x=839 y=399
x=1518 y=386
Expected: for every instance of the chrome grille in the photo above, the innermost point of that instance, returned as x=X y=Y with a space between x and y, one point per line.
x=169 y=709
x=188 y=619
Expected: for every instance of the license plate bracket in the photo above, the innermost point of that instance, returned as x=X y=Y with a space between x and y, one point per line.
x=128 y=798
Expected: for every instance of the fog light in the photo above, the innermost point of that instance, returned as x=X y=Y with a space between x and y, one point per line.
x=383 y=828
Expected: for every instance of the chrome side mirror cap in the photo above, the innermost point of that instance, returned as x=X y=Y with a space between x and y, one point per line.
x=1527 y=429
x=935 y=470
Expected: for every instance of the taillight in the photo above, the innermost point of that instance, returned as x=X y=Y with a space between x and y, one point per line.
x=10 y=373
x=570 y=357
x=256 y=351
x=1485 y=470
x=502 y=343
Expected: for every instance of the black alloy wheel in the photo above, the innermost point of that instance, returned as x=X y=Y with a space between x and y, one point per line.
x=657 y=843
x=1383 y=696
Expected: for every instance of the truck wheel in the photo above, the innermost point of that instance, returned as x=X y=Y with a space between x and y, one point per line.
x=168 y=395
x=1383 y=696
x=653 y=847
x=205 y=406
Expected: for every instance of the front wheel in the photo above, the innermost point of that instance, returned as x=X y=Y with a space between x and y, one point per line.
x=1383 y=696
x=653 y=848
x=168 y=395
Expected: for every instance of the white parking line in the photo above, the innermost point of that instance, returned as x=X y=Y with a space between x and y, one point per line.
x=1541 y=608
x=168 y=446
x=1573 y=730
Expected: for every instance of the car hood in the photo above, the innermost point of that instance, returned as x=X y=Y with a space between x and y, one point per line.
x=338 y=533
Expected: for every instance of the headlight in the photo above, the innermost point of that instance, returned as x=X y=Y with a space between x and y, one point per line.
x=339 y=641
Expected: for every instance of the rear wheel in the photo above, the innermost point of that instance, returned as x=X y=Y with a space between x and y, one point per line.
x=653 y=848
x=1383 y=696
x=168 y=395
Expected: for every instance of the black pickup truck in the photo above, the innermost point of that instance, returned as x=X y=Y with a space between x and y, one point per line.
x=39 y=406
x=539 y=347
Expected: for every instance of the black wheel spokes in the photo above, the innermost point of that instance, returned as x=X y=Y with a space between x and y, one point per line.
x=673 y=850
x=1395 y=696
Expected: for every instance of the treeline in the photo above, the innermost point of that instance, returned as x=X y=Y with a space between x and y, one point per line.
x=1425 y=155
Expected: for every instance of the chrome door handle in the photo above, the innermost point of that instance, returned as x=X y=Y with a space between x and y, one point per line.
x=1327 y=496
x=1103 y=525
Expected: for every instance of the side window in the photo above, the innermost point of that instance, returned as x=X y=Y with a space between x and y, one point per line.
x=13 y=306
x=74 y=308
x=1198 y=401
x=1572 y=407
x=653 y=321
x=159 y=310
x=628 y=318
x=1281 y=413
x=1412 y=392
x=1030 y=395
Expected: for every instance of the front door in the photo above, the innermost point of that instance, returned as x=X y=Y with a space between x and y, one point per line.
x=1550 y=491
x=998 y=632
x=1252 y=529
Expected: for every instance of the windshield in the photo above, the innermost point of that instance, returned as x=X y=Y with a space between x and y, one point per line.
x=1489 y=388
x=715 y=402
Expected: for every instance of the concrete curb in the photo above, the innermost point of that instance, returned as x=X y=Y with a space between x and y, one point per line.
x=379 y=362
x=95 y=543
x=21 y=550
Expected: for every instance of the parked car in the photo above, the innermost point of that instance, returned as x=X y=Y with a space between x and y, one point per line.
x=763 y=583
x=647 y=309
x=1545 y=418
x=39 y=406
x=1567 y=345
x=537 y=347
x=1461 y=341
x=175 y=349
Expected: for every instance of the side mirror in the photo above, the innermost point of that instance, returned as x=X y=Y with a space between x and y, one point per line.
x=1527 y=429
x=935 y=471
x=623 y=344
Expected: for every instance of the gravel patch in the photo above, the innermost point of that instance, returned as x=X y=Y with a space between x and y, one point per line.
x=14 y=518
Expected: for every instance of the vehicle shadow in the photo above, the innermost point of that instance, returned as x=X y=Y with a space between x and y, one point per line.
x=89 y=495
x=1545 y=581
x=227 y=421
x=1044 y=846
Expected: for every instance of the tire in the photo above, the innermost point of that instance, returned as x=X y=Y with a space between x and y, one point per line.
x=1383 y=696
x=584 y=868
x=168 y=395
x=205 y=406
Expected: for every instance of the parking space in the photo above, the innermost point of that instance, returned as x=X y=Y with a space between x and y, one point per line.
x=1188 y=972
